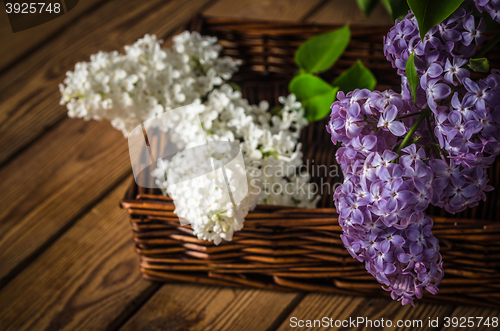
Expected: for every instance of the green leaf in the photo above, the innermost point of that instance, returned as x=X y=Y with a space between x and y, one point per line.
x=412 y=76
x=367 y=6
x=275 y=110
x=319 y=53
x=315 y=94
x=430 y=13
x=357 y=76
x=318 y=107
x=235 y=86
x=479 y=65
x=397 y=8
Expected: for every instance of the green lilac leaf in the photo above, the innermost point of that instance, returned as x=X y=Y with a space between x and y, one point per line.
x=367 y=6
x=315 y=94
x=430 y=13
x=319 y=53
x=479 y=65
x=357 y=76
x=412 y=76
x=397 y=8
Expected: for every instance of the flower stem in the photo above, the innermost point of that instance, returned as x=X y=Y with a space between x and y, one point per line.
x=407 y=115
x=487 y=46
x=429 y=127
x=406 y=141
x=434 y=142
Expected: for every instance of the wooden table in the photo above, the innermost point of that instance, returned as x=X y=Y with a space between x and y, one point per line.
x=66 y=253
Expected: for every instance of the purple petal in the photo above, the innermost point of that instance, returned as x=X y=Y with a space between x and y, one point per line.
x=397 y=128
x=412 y=234
x=389 y=269
x=405 y=196
x=452 y=35
x=398 y=240
x=338 y=123
x=420 y=185
x=467 y=38
x=357 y=216
x=448 y=77
x=469 y=191
x=441 y=91
x=455 y=118
x=469 y=23
x=421 y=169
x=471 y=86
x=390 y=113
x=369 y=141
x=385 y=246
x=354 y=110
x=384 y=174
x=390 y=155
x=392 y=205
x=435 y=70
x=404 y=258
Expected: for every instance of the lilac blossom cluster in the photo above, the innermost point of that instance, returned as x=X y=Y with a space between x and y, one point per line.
x=492 y=7
x=398 y=156
x=449 y=42
x=465 y=113
x=381 y=202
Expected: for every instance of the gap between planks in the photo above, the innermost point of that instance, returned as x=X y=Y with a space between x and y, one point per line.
x=16 y=47
x=86 y=280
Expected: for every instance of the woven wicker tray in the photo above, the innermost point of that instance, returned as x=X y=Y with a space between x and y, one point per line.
x=287 y=248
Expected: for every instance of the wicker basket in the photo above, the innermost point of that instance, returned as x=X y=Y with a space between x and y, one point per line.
x=287 y=248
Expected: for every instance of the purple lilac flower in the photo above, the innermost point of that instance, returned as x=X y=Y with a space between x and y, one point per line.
x=455 y=37
x=455 y=71
x=386 y=189
x=382 y=201
x=377 y=220
x=492 y=7
x=472 y=32
x=387 y=122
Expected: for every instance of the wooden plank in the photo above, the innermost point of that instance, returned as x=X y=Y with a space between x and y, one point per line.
x=53 y=182
x=29 y=102
x=16 y=45
x=341 y=12
x=87 y=279
x=475 y=313
x=279 y=10
x=315 y=306
x=194 y=307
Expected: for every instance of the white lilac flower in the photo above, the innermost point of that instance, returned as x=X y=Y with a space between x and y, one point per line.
x=128 y=89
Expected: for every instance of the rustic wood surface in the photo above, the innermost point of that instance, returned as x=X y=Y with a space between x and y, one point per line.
x=67 y=259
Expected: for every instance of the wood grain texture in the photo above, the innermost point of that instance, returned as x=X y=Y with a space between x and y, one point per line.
x=29 y=102
x=279 y=10
x=16 y=45
x=316 y=306
x=474 y=312
x=84 y=281
x=54 y=181
x=342 y=12
x=194 y=307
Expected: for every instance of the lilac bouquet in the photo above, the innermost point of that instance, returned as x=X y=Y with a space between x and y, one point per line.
x=430 y=144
